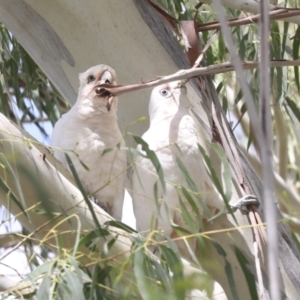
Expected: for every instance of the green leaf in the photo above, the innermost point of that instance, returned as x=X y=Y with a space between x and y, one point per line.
x=81 y=188
x=242 y=46
x=230 y=278
x=163 y=277
x=139 y=268
x=296 y=46
x=216 y=181
x=59 y=243
x=132 y=156
x=227 y=176
x=243 y=108
x=88 y=240
x=63 y=291
x=250 y=140
x=83 y=164
x=11 y=195
x=279 y=76
x=107 y=246
x=82 y=277
x=40 y=270
x=294 y=107
x=175 y=265
x=250 y=278
x=275 y=46
x=173 y=246
x=284 y=37
x=16 y=181
x=228 y=270
x=156 y=197
x=120 y=225
x=107 y=150
x=75 y=285
x=153 y=158
x=186 y=174
x=77 y=240
x=220 y=87
x=225 y=104
x=135 y=152
x=193 y=187
x=191 y=201
x=186 y=216
x=171 y=221
x=43 y=293
x=219 y=248
x=222 y=48
x=296 y=240
x=100 y=279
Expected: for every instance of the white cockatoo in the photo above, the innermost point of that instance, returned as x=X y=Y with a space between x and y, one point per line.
x=90 y=135
x=173 y=137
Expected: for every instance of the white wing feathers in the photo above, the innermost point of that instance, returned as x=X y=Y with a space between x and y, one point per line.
x=172 y=136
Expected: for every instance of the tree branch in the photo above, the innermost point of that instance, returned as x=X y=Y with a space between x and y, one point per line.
x=251 y=7
x=36 y=174
x=30 y=173
x=277 y=13
x=117 y=90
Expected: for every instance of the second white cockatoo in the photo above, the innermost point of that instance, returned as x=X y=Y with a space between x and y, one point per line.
x=90 y=135
x=174 y=138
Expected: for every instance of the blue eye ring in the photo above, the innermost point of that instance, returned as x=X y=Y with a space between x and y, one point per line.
x=91 y=78
x=166 y=93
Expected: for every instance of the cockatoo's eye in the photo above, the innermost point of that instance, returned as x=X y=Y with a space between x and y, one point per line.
x=91 y=78
x=166 y=93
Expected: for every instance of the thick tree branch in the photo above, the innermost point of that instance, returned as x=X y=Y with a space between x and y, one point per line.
x=32 y=174
x=27 y=162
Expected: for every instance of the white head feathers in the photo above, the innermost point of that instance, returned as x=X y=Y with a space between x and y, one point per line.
x=88 y=81
x=166 y=100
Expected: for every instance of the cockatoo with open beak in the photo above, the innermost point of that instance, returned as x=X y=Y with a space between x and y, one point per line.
x=90 y=135
x=173 y=135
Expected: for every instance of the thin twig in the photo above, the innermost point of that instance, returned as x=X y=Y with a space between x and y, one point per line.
x=276 y=14
x=256 y=233
x=198 y=5
x=258 y=219
x=259 y=275
x=208 y=44
x=250 y=6
x=116 y=90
